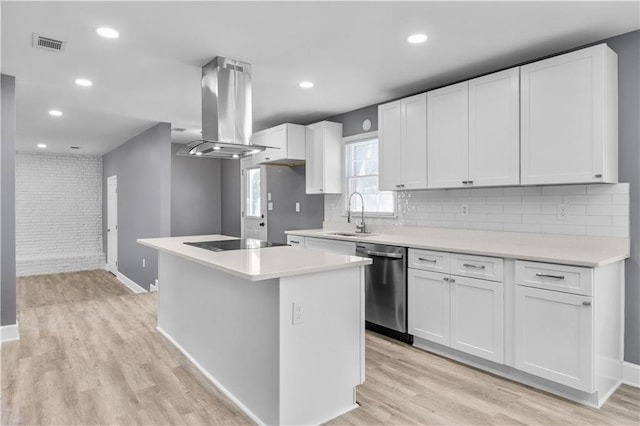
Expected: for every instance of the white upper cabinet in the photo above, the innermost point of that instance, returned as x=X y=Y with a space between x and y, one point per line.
x=402 y=135
x=288 y=142
x=448 y=136
x=494 y=129
x=569 y=121
x=473 y=136
x=324 y=158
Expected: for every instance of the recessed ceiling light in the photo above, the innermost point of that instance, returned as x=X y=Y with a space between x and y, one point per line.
x=107 y=32
x=199 y=153
x=216 y=148
x=55 y=113
x=42 y=145
x=84 y=82
x=235 y=156
x=306 y=84
x=417 y=38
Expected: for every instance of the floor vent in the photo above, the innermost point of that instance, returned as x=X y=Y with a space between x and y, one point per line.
x=48 y=43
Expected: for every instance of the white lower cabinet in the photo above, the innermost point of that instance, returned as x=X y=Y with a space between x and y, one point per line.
x=554 y=336
x=295 y=240
x=461 y=312
x=477 y=309
x=429 y=301
x=340 y=247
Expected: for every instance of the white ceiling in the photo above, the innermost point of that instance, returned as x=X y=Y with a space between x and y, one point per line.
x=355 y=52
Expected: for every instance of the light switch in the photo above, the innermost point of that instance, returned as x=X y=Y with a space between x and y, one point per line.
x=269 y=206
x=297 y=207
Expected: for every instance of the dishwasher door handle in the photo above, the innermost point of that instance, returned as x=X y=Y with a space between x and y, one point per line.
x=382 y=254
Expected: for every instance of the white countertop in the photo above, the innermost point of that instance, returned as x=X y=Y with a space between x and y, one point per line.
x=255 y=264
x=563 y=249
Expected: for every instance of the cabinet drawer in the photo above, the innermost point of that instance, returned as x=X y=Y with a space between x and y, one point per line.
x=295 y=240
x=437 y=261
x=486 y=268
x=568 y=279
x=342 y=247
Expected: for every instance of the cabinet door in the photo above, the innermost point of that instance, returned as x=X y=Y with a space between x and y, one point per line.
x=341 y=247
x=554 y=336
x=563 y=118
x=295 y=240
x=477 y=314
x=428 y=305
x=414 y=141
x=277 y=138
x=315 y=160
x=390 y=147
x=447 y=136
x=494 y=129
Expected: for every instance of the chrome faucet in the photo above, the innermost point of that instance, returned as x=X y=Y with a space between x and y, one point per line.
x=361 y=227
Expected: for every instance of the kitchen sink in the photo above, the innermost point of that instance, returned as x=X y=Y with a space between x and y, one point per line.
x=351 y=234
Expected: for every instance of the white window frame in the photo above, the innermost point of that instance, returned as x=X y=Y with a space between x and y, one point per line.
x=346 y=141
x=246 y=191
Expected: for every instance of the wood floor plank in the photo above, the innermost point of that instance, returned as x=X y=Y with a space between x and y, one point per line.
x=89 y=354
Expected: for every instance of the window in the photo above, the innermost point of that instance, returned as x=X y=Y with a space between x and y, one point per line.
x=253 y=192
x=362 y=176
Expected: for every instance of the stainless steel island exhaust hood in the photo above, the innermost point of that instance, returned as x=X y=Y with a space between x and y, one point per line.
x=226 y=112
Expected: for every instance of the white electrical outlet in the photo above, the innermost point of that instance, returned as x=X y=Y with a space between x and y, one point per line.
x=298 y=207
x=144 y=262
x=269 y=206
x=563 y=211
x=298 y=313
x=465 y=210
x=268 y=196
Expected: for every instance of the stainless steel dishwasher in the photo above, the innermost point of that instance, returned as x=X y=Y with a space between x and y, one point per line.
x=386 y=289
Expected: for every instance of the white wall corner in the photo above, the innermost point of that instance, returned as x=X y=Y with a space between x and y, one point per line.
x=131 y=285
x=9 y=333
x=631 y=374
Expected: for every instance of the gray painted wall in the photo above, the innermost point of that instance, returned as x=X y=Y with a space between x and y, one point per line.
x=143 y=166
x=230 y=191
x=627 y=46
x=8 y=201
x=287 y=186
x=195 y=194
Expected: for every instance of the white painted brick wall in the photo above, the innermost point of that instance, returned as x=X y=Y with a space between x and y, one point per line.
x=595 y=209
x=58 y=213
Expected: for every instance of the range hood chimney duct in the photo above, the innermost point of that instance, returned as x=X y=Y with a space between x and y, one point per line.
x=226 y=112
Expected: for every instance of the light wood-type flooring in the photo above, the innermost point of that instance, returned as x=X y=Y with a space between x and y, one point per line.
x=89 y=354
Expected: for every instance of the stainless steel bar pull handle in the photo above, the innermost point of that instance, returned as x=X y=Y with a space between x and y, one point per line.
x=294 y=242
x=557 y=277
x=424 y=259
x=469 y=265
x=586 y=303
x=381 y=254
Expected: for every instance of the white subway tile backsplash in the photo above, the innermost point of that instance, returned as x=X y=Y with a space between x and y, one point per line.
x=58 y=213
x=564 y=190
x=563 y=229
x=609 y=210
x=588 y=199
x=595 y=209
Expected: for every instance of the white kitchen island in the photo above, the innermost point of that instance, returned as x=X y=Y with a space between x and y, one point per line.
x=232 y=314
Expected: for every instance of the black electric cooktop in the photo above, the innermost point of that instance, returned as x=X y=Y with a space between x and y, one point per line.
x=241 y=244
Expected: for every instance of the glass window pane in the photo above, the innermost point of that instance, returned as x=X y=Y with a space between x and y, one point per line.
x=253 y=193
x=362 y=176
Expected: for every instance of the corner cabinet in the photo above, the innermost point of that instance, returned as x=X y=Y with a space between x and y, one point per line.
x=473 y=132
x=402 y=136
x=569 y=126
x=324 y=158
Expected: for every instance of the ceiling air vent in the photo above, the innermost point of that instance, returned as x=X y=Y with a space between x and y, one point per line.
x=48 y=43
x=178 y=129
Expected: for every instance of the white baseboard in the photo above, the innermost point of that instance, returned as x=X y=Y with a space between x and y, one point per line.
x=128 y=282
x=631 y=374
x=215 y=382
x=9 y=333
